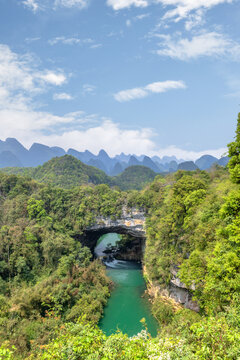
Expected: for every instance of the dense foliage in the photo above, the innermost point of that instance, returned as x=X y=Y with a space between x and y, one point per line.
x=68 y=172
x=46 y=276
x=193 y=228
x=134 y=177
x=234 y=153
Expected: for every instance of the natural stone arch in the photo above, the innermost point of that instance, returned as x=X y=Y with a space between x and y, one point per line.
x=132 y=222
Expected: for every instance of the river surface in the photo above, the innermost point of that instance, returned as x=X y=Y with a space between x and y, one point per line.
x=127 y=304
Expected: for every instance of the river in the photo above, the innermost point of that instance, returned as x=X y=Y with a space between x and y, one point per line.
x=127 y=304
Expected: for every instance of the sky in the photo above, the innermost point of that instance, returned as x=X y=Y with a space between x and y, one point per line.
x=153 y=77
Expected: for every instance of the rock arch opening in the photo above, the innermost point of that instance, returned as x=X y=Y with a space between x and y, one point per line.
x=131 y=223
x=131 y=248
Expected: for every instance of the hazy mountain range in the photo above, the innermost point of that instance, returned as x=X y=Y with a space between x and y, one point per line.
x=14 y=154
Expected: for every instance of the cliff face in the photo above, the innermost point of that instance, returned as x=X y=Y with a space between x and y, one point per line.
x=177 y=291
x=132 y=251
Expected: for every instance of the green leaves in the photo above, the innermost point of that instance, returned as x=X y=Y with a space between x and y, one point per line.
x=36 y=209
x=5 y=352
x=234 y=154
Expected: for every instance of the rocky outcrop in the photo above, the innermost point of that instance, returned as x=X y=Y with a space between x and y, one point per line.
x=176 y=291
x=181 y=293
x=132 y=222
x=132 y=251
x=183 y=296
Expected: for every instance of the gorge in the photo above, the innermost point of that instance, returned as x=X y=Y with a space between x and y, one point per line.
x=128 y=303
x=132 y=223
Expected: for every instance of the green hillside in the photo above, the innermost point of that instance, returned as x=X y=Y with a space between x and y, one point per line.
x=134 y=177
x=67 y=172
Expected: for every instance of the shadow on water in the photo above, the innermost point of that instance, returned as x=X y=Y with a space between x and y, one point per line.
x=127 y=304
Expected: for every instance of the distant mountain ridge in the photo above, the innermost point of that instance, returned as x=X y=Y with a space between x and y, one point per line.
x=14 y=154
x=67 y=172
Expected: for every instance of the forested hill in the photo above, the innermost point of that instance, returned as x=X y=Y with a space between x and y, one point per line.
x=68 y=172
x=65 y=171
x=134 y=177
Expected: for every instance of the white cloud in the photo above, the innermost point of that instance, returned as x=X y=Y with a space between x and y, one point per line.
x=72 y=3
x=195 y=19
x=64 y=40
x=20 y=82
x=204 y=44
x=129 y=22
x=70 y=40
x=188 y=155
x=130 y=94
x=88 y=89
x=107 y=135
x=31 y=4
x=62 y=96
x=182 y=8
x=96 y=46
x=122 y=4
x=160 y=87
x=142 y=16
x=141 y=92
x=20 y=78
x=191 y=10
x=36 y=5
x=53 y=78
x=33 y=39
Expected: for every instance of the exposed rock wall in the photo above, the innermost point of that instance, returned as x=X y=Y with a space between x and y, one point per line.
x=132 y=251
x=176 y=291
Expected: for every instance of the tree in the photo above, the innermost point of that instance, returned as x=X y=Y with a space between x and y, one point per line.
x=234 y=154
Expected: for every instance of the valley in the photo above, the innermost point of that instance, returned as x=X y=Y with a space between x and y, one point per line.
x=62 y=288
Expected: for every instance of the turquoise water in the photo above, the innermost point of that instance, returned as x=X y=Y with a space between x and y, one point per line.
x=127 y=304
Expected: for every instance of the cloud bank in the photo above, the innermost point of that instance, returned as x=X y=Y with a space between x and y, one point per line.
x=191 y=11
x=180 y=8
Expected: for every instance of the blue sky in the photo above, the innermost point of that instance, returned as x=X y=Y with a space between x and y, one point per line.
x=139 y=76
